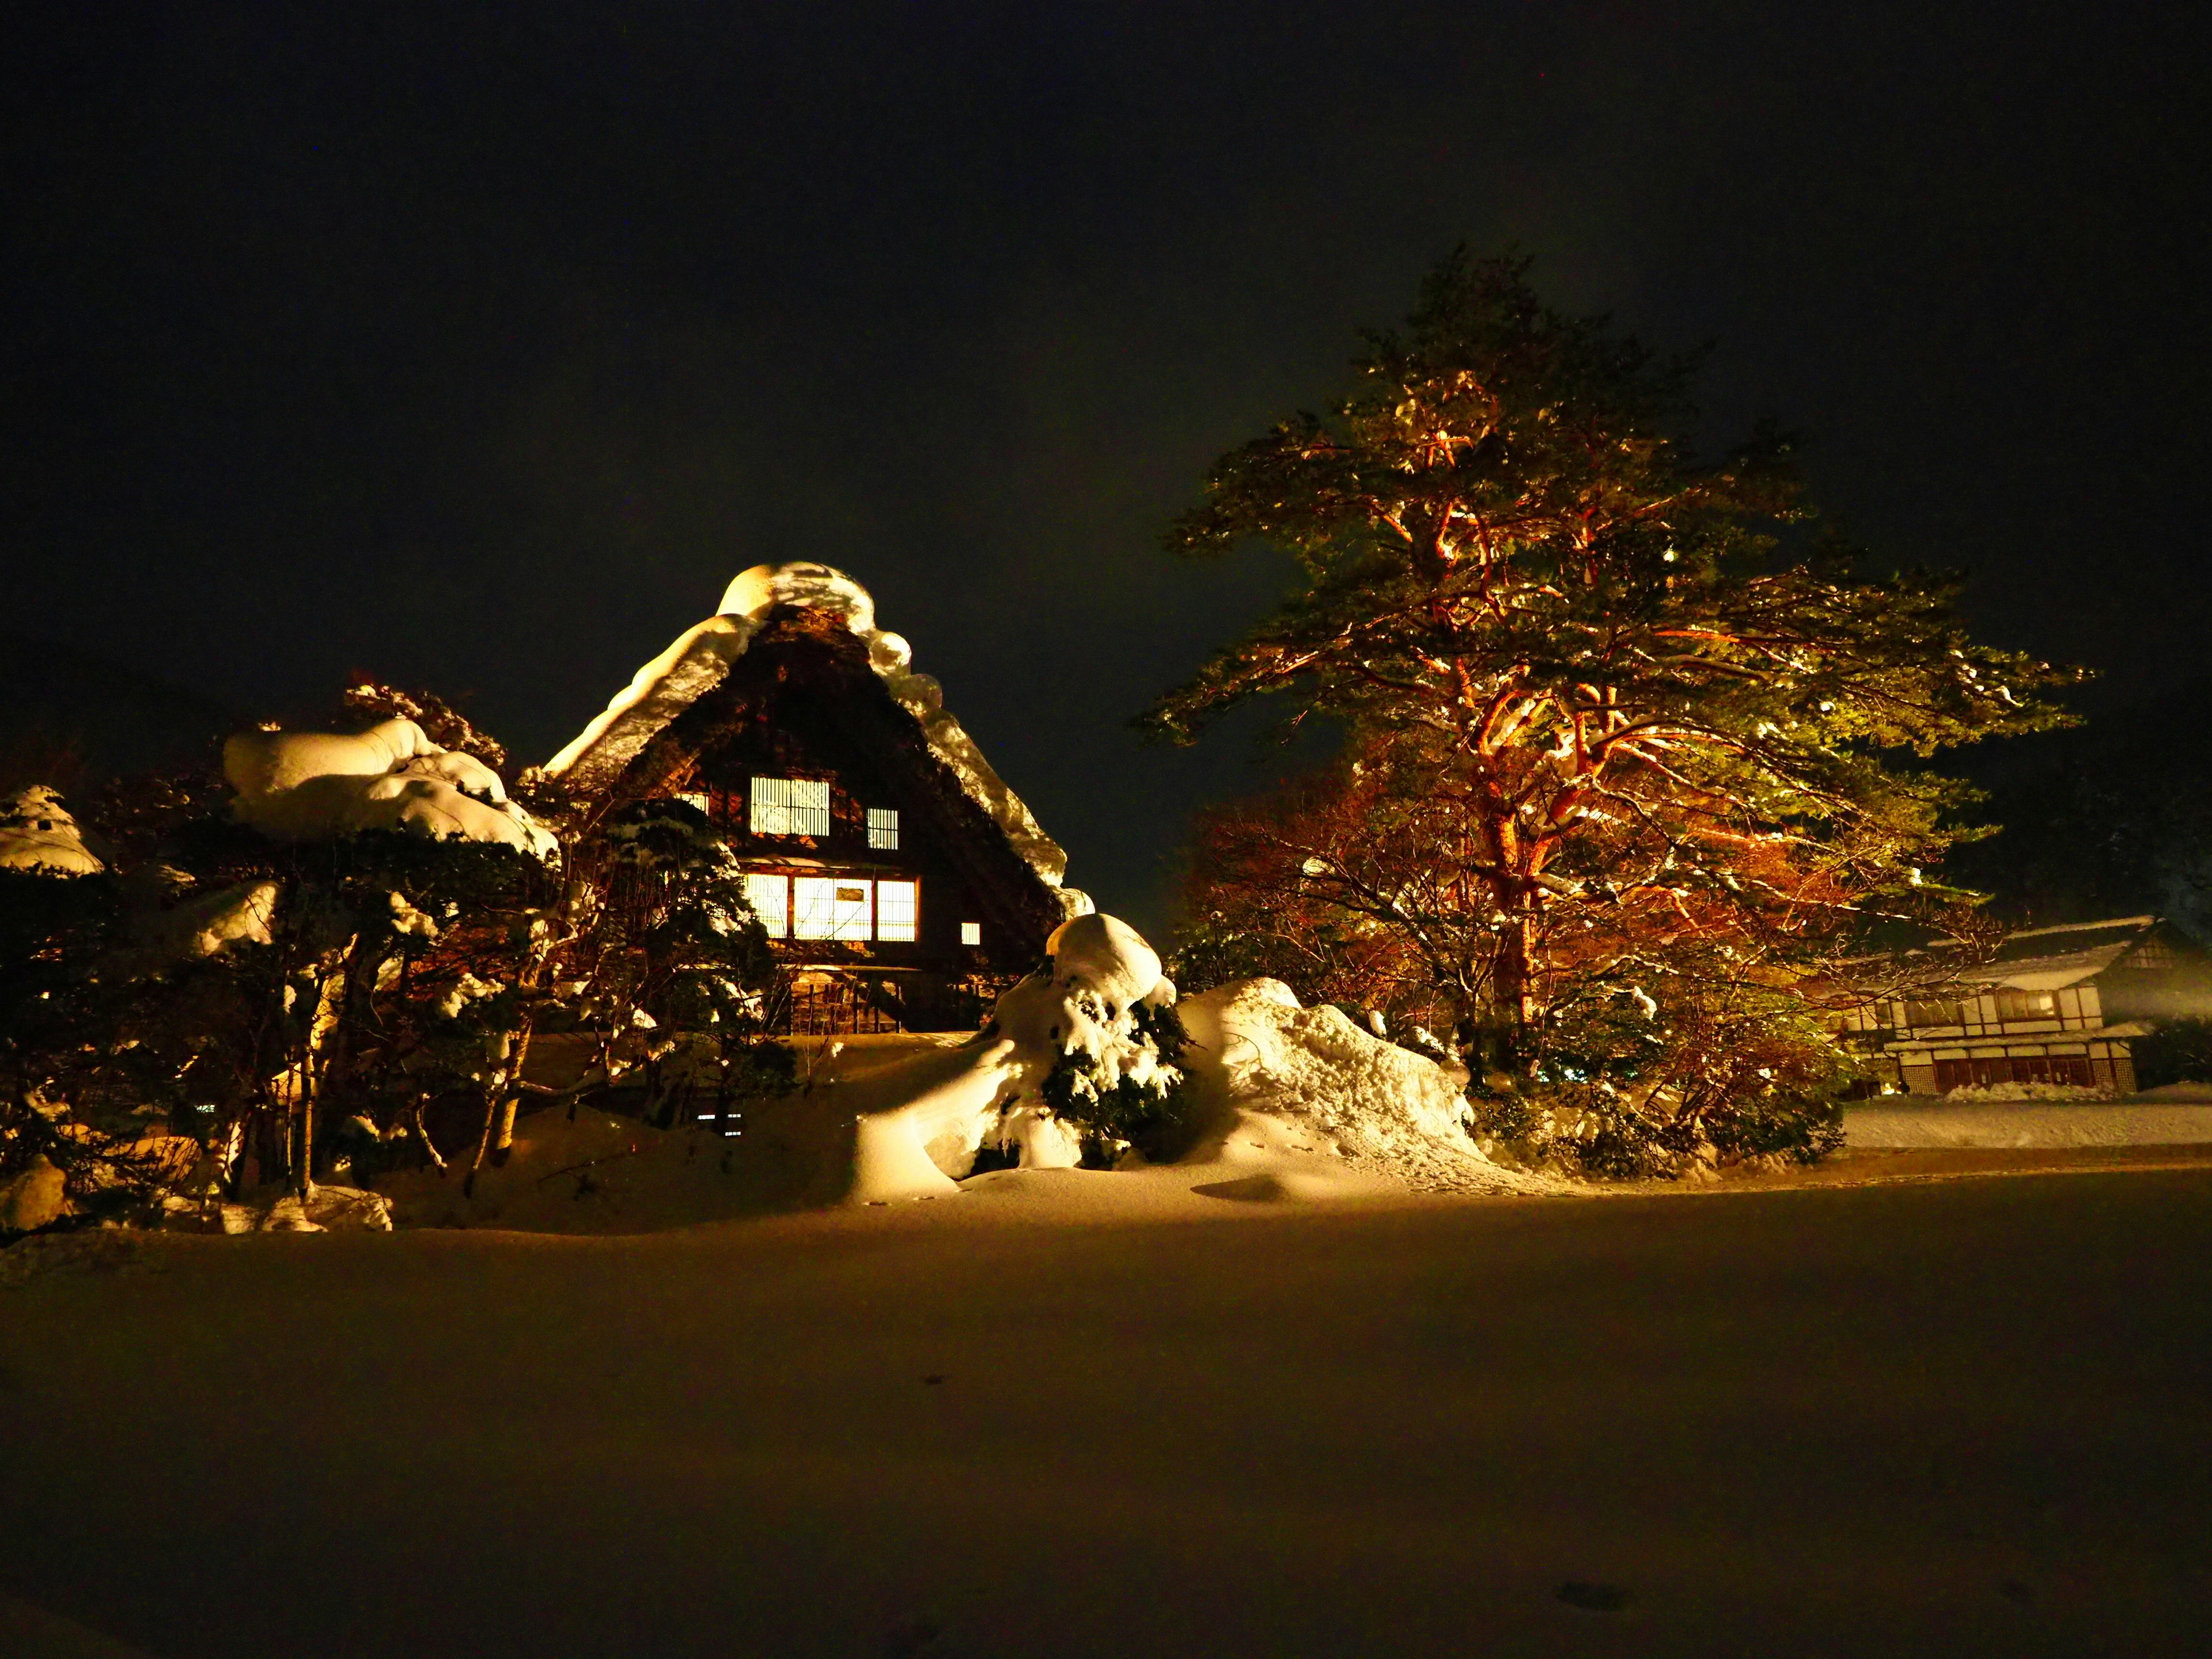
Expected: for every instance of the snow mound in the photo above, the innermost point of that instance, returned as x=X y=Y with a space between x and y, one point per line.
x=327 y=1209
x=35 y=1197
x=2184 y=1091
x=1105 y=956
x=1893 y=1126
x=1287 y=1079
x=698 y=659
x=37 y=832
x=314 y=785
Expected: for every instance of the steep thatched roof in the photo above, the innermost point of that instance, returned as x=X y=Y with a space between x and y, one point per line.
x=808 y=628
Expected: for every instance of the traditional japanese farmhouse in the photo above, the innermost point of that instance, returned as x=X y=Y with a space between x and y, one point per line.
x=2055 y=1005
x=903 y=884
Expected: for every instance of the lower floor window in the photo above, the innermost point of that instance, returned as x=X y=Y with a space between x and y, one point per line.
x=770 y=897
x=2012 y=1068
x=898 y=909
x=830 y=907
x=835 y=907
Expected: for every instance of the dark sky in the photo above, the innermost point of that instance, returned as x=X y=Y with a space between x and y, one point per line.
x=478 y=346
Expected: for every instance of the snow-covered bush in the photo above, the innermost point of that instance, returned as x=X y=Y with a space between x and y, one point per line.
x=1632 y=1086
x=1101 y=1010
x=54 y=928
x=1119 y=1085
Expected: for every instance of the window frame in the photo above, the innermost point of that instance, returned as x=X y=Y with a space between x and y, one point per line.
x=763 y=808
x=838 y=931
x=913 y=918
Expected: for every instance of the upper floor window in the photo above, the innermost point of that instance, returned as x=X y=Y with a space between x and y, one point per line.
x=882 y=828
x=789 y=806
x=2028 y=1005
x=1917 y=1013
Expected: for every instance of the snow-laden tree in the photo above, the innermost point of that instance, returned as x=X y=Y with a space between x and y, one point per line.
x=659 y=950
x=1612 y=710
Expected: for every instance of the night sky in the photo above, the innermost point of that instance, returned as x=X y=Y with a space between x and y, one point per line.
x=479 y=347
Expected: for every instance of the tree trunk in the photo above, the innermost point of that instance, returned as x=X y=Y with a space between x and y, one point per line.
x=1512 y=990
x=511 y=1097
x=494 y=1096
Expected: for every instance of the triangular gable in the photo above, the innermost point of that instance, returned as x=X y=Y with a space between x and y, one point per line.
x=594 y=765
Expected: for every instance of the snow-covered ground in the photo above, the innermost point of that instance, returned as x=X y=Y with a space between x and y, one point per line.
x=2179 y=1114
x=1953 y=1418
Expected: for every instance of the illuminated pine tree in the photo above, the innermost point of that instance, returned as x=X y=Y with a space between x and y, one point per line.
x=1604 y=699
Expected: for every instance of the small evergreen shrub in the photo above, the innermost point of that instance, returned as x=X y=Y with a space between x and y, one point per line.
x=1124 y=1087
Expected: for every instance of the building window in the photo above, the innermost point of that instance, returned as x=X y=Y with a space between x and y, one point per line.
x=971 y=932
x=1918 y=1014
x=826 y=907
x=1993 y=1073
x=697 y=798
x=882 y=828
x=2028 y=1005
x=770 y=896
x=789 y=806
x=898 y=907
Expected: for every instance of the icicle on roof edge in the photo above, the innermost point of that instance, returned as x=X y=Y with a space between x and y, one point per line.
x=701 y=656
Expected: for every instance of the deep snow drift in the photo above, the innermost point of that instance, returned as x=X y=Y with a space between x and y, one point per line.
x=1293 y=1103
x=1282 y=1080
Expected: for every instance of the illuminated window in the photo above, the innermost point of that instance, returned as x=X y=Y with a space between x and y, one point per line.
x=693 y=797
x=2026 y=1005
x=971 y=932
x=824 y=906
x=882 y=828
x=898 y=907
x=789 y=806
x=771 y=897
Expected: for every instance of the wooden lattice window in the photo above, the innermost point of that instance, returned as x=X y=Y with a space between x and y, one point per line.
x=789 y=806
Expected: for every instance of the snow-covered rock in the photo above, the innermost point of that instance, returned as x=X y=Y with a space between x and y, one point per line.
x=314 y=785
x=1279 y=1077
x=202 y=926
x=331 y=1209
x=37 y=832
x=34 y=1199
x=700 y=657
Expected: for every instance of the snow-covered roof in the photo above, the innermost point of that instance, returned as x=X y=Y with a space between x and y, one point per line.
x=700 y=658
x=2069 y=937
x=2051 y=958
